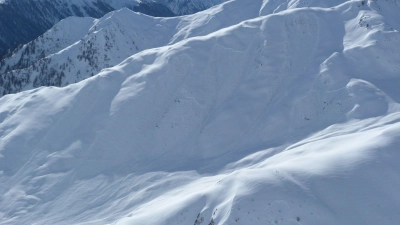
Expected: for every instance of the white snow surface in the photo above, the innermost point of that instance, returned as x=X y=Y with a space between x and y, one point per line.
x=288 y=116
x=179 y=7
x=108 y=41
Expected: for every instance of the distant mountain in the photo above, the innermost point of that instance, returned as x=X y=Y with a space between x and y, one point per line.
x=177 y=7
x=24 y=20
x=185 y=7
x=78 y=48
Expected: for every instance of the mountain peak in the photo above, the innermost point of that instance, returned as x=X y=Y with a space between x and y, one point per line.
x=32 y=18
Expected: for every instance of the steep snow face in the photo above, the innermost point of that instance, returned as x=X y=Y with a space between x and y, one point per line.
x=288 y=118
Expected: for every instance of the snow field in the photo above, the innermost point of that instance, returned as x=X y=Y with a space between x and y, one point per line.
x=282 y=119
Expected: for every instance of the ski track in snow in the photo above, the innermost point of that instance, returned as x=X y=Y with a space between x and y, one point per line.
x=287 y=115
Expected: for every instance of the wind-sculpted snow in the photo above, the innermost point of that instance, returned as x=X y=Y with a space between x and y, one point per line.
x=287 y=119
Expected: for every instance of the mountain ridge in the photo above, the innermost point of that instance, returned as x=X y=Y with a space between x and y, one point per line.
x=288 y=118
x=98 y=50
x=22 y=21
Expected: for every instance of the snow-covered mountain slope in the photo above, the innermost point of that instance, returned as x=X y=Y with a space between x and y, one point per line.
x=106 y=42
x=22 y=21
x=113 y=38
x=177 y=7
x=291 y=118
x=184 y=7
x=62 y=35
x=148 y=7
